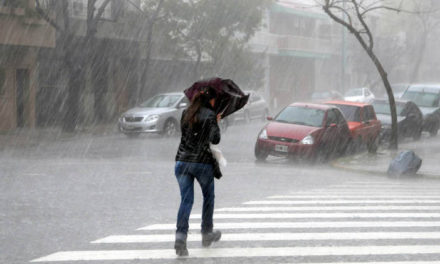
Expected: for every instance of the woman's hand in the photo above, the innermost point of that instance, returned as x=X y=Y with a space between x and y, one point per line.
x=219 y=116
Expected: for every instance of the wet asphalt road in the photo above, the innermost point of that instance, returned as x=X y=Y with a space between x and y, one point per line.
x=59 y=195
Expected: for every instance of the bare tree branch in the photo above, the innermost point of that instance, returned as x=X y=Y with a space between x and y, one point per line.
x=362 y=20
x=46 y=16
x=101 y=10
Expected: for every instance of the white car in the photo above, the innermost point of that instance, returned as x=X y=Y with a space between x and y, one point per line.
x=360 y=95
x=256 y=108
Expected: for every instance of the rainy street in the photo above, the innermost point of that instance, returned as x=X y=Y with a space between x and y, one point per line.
x=61 y=195
x=322 y=115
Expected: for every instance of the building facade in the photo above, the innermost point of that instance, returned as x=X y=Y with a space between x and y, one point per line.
x=301 y=50
x=21 y=36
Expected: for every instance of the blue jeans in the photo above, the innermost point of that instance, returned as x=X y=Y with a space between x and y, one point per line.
x=186 y=172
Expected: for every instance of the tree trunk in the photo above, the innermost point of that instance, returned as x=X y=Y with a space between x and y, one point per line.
x=391 y=100
x=146 y=69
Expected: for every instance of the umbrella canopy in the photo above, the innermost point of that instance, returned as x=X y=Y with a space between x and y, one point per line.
x=230 y=97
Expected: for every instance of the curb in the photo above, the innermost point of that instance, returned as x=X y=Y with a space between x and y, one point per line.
x=336 y=164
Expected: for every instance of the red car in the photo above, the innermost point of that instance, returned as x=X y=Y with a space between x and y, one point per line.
x=304 y=130
x=363 y=124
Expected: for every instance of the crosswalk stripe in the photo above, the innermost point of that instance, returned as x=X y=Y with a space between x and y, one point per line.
x=328 y=208
x=386 y=262
x=359 y=196
x=275 y=237
x=385 y=201
x=304 y=225
x=371 y=251
x=322 y=215
x=368 y=193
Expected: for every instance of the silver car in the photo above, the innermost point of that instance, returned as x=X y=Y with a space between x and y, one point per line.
x=256 y=108
x=159 y=114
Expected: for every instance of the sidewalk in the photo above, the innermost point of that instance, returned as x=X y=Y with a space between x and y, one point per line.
x=30 y=137
x=428 y=149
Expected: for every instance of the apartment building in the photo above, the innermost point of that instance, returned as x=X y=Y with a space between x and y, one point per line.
x=300 y=48
x=22 y=34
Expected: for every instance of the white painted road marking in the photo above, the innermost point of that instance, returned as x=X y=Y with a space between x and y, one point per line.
x=240 y=252
x=359 y=196
x=321 y=215
x=339 y=201
x=304 y=225
x=369 y=262
x=275 y=237
x=328 y=208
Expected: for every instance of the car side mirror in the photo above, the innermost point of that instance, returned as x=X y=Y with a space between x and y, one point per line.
x=183 y=105
x=269 y=118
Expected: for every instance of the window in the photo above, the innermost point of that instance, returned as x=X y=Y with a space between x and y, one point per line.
x=368 y=113
x=78 y=8
x=2 y=81
x=117 y=9
x=351 y=113
x=340 y=118
x=331 y=118
x=301 y=115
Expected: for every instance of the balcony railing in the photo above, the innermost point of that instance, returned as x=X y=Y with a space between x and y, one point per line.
x=274 y=43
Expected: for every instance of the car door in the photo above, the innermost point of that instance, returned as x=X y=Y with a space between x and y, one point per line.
x=182 y=105
x=330 y=135
x=343 y=132
x=372 y=125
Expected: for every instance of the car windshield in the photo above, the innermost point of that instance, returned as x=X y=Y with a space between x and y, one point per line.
x=161 y=100
x=301 y=115
x=421 y=98
x=351 y=112
x=354 y=92
x=384 y=108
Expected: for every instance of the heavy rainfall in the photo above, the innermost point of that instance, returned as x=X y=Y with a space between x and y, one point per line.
x=118 y=117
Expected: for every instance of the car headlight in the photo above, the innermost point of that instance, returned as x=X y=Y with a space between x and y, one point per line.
x=308 y=140
x=151 y=118
x=263 y=134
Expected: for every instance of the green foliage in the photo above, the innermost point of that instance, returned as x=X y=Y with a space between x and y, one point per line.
x=15 y=3
x=217 y=31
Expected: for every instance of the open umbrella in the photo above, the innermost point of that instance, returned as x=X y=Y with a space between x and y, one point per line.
x=230 y=97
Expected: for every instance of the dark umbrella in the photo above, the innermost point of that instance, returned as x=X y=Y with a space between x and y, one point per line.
x=230 y=97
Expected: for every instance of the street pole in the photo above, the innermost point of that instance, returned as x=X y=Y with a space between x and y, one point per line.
x=343 y=51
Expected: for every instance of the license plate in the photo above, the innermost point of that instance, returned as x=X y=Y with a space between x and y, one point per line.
x=281 y=148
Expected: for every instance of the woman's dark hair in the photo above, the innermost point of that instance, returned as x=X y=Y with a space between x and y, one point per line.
x=198 y=101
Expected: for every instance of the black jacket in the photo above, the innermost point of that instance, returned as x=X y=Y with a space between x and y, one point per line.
x=194 y=143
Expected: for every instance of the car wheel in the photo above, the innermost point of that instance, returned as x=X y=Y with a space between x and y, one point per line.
x=260 y=154
x=418 y=134
x=373 y=145
x=434 y=130
x=355 y=145
x=170 y=128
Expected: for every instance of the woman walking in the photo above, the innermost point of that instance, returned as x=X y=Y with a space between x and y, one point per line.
x=194 y=160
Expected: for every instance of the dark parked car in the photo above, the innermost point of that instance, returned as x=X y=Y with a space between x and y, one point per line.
x=409 y=118
x=304 y=130
x=426 y=97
